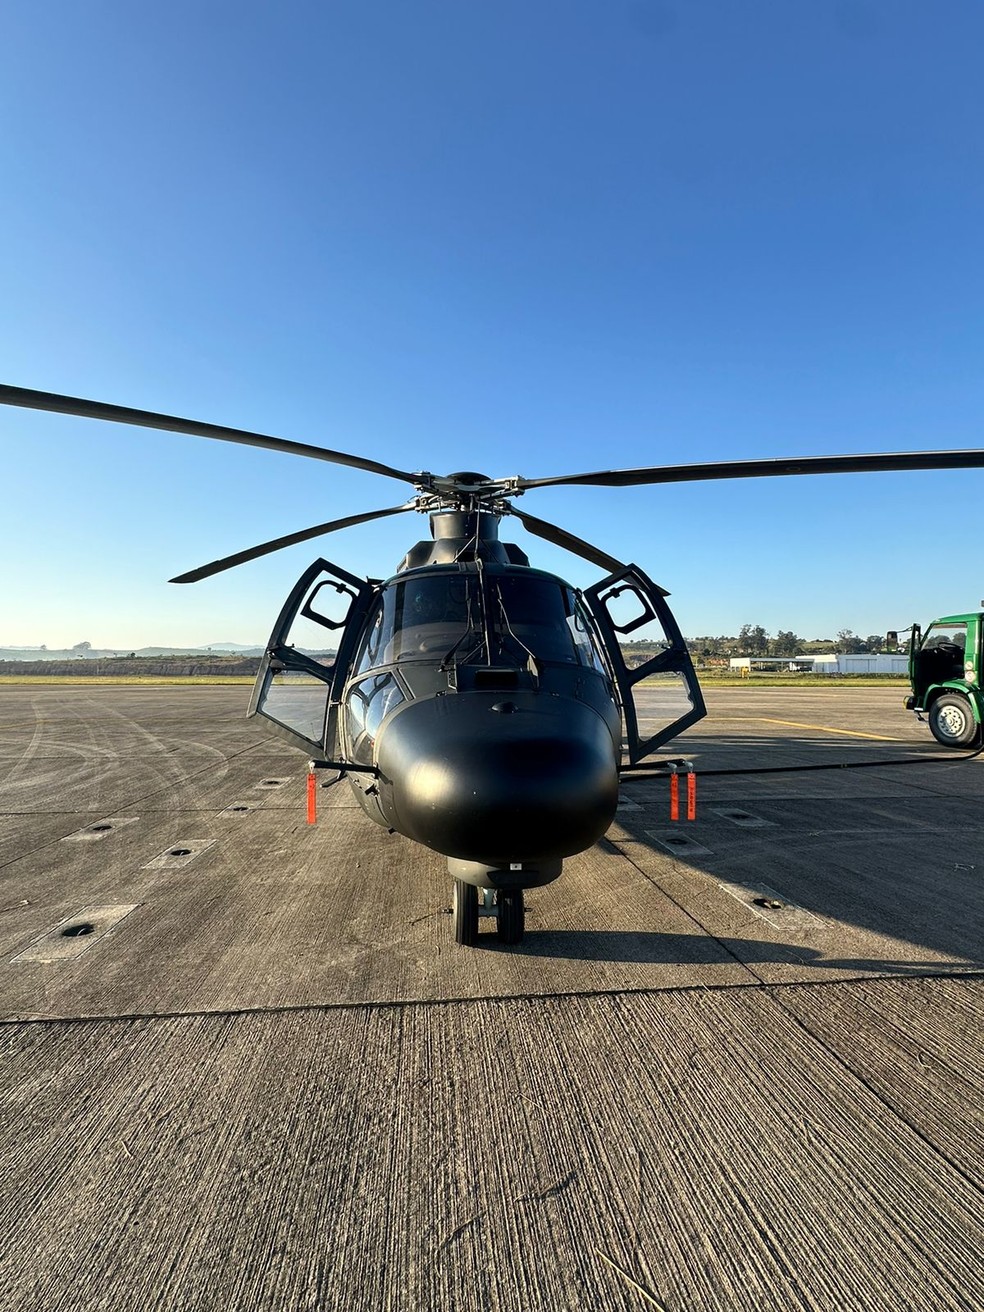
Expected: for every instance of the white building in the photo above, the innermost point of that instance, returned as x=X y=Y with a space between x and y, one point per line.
x=868 y=663
x=832 y=663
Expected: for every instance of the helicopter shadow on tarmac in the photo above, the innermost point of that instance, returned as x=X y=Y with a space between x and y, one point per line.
x=653 y=948
x=871 y=870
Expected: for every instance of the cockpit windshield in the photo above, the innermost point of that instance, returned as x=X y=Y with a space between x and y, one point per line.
x=468 y=617
x=530 y=617
x=421 y=617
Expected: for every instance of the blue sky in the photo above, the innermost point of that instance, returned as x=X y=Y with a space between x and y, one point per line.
x=524 y=237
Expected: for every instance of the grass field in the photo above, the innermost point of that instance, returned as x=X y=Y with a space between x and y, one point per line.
x=767 y=680
x=116 y=681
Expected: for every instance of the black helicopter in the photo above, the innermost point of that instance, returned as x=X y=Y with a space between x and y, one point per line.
x=477 y=705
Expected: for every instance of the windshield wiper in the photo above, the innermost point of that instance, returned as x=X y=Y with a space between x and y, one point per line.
x=532 y=664
x=448 y=661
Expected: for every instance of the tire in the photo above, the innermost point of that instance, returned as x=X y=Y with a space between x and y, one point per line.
x=952 y=721
x=464 y=912
x=511 y=921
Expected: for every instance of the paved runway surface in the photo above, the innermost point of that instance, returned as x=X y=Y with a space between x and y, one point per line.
x=266 y=1077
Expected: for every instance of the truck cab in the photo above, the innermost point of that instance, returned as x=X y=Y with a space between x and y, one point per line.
x=944 y=673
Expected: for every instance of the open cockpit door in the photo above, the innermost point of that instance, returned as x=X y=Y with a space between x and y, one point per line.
x=621 y=605
x=300 y=681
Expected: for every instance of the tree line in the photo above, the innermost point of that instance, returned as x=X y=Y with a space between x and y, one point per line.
x=753 y=640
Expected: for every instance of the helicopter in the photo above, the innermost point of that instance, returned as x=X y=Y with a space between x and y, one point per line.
x=477 y=705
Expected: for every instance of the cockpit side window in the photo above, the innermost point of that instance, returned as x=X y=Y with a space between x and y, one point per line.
x=582 y=632
x=371 y=643
x=368 y=703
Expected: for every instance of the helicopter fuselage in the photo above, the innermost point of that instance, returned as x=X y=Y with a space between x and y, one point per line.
x=480 y=705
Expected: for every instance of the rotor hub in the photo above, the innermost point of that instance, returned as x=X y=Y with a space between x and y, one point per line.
x=466 y=491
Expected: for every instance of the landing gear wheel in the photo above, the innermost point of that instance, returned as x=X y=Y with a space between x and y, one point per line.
x=511 y=921
x=952 y=721
x=464 y=912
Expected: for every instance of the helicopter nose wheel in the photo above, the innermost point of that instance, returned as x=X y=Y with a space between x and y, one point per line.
x=464 y=913
x=506 y=907
x=510 y=921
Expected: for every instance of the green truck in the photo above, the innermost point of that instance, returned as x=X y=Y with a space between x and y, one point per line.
x=945 y=674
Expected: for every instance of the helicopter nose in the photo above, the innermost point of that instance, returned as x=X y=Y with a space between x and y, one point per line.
x=499 y=782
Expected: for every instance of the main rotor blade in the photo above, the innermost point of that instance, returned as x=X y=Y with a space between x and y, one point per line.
x=859 y=464
x=241 y=557
x=118 y=414
x=561 y=538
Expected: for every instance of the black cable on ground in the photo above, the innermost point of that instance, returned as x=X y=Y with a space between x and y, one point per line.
x=645 y=772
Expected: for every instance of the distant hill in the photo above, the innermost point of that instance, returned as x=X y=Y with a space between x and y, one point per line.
x=234 y=646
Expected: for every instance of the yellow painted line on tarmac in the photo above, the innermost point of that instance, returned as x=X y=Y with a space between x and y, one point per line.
x=794 y=724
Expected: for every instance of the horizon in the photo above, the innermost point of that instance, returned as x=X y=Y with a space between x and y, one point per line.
x=122 y=648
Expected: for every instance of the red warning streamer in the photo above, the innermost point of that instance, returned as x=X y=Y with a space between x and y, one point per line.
x=312 y=798
x=691 y=795
x=674 y=796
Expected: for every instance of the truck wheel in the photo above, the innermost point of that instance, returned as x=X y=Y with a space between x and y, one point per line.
x=952 y=721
